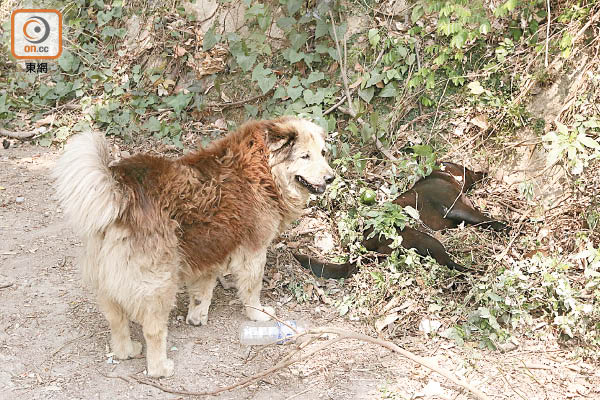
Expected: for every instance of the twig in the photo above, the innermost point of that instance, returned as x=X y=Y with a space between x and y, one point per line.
x=7 y=285
x=343 y=98
x=342 y=66
x=21 y=135
x=547 y=34
x=382 y=149
x=244 y=382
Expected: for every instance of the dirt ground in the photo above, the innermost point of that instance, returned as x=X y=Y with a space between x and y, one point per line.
x=54 y=341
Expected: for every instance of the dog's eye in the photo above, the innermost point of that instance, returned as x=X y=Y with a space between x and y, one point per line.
x=323 y=153
x=306 y=156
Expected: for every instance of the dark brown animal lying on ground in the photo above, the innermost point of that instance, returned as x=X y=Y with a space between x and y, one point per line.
x=441 y=203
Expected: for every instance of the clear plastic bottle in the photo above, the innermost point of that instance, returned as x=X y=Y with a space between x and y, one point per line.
x=267 y=332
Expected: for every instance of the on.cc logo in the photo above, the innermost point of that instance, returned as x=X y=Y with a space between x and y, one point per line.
x=32 y=29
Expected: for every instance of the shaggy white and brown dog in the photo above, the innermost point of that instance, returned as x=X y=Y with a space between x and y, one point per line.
x=150 y=224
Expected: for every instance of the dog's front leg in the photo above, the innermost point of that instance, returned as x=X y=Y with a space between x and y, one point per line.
x=249 y=275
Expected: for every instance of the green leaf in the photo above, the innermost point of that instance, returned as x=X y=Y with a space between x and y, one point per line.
x=375 y=78
x=294 y=92
x=485 y=28
x=314 y=76
x=68 y=62
x=298 y=39
x=417 y=13
x=366 y=94
x=104 y=17
x=588 y=141
x=286 y=23
x=179 y=101
x=152 y=125
x=292 y=55
x=246 y=62
x=264 y=78
x=389 y=90
x=374 y=37
x=314 y=98
x=280 y=93
x=210 y=39
x=322 y=28
x=562 y=128
x=293 y=6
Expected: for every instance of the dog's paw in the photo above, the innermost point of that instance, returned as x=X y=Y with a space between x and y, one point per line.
x=164 y=369
x=127 y=350
x=257 y=315
x=196 y=318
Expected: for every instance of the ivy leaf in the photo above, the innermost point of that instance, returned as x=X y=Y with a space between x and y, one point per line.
x=293 y=6
x=322 y=28
x=246 y=62
x=294 y=92
x=366 y=94
x=264 y=78
x=314 y=98
x=280 y=93
x=210 y=39
x=292 y=55
x=68 y=62
x=152 y=125
x=298 y=40
x=286 y=23
x=104 y=17
x=389 y=90
x=179 y=101
x=374 y=79
x=314 y=76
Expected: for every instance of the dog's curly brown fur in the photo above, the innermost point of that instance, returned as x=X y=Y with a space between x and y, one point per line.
x=149 y=222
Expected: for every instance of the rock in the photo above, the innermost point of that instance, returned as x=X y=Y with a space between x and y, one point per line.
x=20 y=199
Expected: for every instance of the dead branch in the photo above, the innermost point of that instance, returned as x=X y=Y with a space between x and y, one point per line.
x=342 y=66
x=21 y=135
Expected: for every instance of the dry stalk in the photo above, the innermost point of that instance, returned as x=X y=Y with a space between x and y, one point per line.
x=342 y=66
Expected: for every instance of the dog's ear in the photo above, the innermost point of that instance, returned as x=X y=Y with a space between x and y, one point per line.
x=279 y=134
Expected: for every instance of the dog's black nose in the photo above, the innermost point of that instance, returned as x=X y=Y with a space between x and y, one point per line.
x=329 y=179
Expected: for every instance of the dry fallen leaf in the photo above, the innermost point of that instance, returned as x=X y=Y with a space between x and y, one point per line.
x=48 y=120
x=381 y=323
x=480 y=121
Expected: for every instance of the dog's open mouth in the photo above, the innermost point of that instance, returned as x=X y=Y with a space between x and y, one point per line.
x=314 y=189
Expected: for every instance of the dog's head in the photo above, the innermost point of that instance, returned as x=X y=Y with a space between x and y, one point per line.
x=297 y=155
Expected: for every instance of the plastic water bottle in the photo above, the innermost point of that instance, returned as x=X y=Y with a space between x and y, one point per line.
x=267 y=332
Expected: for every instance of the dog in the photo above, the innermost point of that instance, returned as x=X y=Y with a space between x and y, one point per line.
x=150 y=224
x=442 y=204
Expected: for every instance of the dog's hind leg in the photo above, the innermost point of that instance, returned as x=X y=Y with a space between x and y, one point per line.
x=120 y=339
x=200 y=286
x=249 y=275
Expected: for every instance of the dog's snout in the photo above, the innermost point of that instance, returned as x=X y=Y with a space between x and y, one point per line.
x=328 y=179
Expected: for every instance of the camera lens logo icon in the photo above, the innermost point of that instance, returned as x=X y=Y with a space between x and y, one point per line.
x=33 y=28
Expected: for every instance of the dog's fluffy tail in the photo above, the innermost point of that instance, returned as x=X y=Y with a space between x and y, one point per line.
x=86 y=189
